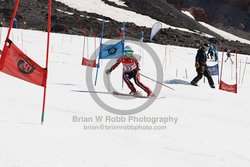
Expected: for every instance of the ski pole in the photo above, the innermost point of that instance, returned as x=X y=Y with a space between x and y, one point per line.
x=240 y=71
x=108 y=83
x=156 y=81
x=244 y=71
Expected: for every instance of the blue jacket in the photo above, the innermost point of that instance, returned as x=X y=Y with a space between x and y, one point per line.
x=15 y=24
x=211 y=50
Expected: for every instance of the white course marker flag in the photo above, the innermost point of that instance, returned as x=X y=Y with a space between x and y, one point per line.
x=155 y=29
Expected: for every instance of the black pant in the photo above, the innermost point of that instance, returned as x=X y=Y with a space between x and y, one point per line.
x=135 y=75
x=203 y=70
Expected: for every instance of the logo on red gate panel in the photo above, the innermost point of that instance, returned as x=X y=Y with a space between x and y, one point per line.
x=25 y=66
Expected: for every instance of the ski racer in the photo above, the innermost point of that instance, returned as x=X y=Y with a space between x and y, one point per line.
x=229 y=56
x=131 y=70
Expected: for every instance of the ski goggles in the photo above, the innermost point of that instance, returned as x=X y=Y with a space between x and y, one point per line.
x=129 y=51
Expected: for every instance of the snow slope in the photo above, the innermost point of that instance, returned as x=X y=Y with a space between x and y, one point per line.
x=119 y=2
x=188 y=14
x=211 y=129
x=225 y=34
x=222 y=33
x=118 y=14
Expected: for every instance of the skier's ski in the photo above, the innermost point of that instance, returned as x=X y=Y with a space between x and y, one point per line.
x=135 y=96
x=125 y=94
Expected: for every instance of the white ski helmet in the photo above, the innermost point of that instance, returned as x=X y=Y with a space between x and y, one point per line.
x=128 y=49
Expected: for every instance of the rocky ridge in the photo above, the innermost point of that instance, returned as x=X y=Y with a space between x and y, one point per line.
x=72 y=21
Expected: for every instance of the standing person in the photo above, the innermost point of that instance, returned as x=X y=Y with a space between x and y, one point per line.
x=130 y=70
x=24 y=24
x=15 y=24
x=210 y=52
x=122 y=33
x=141 y=36
x=229 y=56
x=201 y=67
x=216 y=54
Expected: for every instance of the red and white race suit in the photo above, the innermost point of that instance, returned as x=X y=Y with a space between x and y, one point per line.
x=131 y=70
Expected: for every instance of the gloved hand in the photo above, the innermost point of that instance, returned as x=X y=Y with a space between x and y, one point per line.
x=197 y=65
x=108 y=71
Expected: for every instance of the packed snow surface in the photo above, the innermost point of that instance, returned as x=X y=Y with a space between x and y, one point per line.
x=203 y=126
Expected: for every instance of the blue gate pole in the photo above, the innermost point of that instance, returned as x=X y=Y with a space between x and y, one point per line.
x=123 y=43
x=100 y=52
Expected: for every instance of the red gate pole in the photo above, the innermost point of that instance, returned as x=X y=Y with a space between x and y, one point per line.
x=236 y=57
x=47 y=56
x=12 y=20
x=222 y=60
